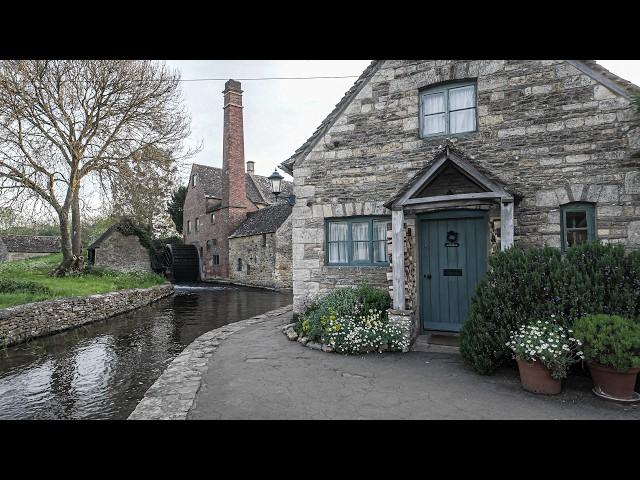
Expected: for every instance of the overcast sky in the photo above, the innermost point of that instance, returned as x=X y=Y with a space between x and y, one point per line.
x=279 y=115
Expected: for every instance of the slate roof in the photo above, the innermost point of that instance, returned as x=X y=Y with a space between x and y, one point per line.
x=588 y=67
x=258 y=187
x=31 y=243
x=265 y=220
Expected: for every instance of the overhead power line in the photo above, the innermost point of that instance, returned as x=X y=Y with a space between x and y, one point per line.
x=264 y=78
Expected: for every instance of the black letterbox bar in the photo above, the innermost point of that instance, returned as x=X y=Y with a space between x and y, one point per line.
x=452 y=272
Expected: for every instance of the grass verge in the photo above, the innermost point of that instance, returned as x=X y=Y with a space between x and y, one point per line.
x=26 y=281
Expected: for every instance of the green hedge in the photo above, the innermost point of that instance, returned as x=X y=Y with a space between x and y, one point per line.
x=522 y=286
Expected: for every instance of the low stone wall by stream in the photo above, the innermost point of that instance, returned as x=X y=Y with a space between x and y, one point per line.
x=24 y=322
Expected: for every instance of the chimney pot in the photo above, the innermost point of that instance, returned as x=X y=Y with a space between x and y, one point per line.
x=250 y=165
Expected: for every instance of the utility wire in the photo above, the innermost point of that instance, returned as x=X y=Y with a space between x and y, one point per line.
x=264 y=78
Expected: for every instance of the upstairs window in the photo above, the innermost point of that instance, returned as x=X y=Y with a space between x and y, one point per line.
x=357 y=241
x=448 y=109
x=193 y=180
x=215 y=260
x=188 y=226
x=239 y=265
x=577 y=223
x=197 y=224
x=213 y=218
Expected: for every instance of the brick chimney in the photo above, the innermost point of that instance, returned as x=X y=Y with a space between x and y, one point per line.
x=250 y=166
x=233 y=183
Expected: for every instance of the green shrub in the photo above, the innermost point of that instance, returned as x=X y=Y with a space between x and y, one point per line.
x=610 y=340
x=523 y=286
x=22 y=286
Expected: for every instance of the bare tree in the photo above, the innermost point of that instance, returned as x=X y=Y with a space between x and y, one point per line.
x=62 y=122
x=141 y=189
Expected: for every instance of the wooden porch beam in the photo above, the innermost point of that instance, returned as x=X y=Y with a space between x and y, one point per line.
x=397 y=258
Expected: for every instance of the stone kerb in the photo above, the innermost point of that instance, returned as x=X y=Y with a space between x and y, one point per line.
x=24 y=322
x=172 y=395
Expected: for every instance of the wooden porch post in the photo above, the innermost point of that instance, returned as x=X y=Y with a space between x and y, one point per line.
x=506 y=223
x=397 y=258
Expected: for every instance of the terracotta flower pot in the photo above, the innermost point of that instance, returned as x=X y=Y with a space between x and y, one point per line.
x=536 y=378
x=620 y=385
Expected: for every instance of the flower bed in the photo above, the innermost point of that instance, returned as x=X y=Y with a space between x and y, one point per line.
x=350 y=321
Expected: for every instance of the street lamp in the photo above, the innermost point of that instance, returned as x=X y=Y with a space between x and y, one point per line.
x=276 y=183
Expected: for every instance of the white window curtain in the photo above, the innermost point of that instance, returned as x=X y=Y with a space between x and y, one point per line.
x=338 y=242
x=360 y=238
x=379 y=241
x=463 y=101
x=434 y=108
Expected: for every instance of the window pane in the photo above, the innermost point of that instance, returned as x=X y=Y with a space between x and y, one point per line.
x=434 y=124
x=380 y=230
x=360 y=232
x=433 y=103
x=379 y=251
x=360 y=251
x=576 y=236
x=338 y=232
x=577 y=219
x=462 y=121
x=338 y=252
x=463 y=97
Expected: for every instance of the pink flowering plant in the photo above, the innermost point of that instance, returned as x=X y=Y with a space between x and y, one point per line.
x=548 y=343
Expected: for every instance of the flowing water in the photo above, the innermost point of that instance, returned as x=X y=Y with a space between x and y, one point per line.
x=103 y=369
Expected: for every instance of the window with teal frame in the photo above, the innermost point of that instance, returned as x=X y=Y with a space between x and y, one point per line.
x=449 y=109
x=577 y=223
x=357 y=241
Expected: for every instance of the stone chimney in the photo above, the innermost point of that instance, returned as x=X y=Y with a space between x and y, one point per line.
x=250 y=166
x=233 y=182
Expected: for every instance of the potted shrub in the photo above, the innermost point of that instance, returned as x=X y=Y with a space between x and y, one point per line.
x=612 y=350
x=544 y=352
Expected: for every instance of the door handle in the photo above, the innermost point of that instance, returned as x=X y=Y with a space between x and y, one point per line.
x=429 y=276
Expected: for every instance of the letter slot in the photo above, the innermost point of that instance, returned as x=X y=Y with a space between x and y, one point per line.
x=452 y=272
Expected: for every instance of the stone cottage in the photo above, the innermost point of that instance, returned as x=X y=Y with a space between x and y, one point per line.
x=115 y=250
x=425 y=167
x=20 y=247
x=260 y=248
x=219 y=200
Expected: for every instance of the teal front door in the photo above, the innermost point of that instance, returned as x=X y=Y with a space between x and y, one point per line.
x=453 y=261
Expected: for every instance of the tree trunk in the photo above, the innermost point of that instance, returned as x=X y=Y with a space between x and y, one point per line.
x=66 y=246
x=76 y=234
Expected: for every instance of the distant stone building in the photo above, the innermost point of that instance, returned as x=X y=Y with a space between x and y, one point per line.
x=4 y=253
x=19 y=247
x=260 y=249
x=116 y=251
x=219 y=200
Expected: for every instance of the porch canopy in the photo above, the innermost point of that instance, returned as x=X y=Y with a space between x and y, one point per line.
x=449 y=182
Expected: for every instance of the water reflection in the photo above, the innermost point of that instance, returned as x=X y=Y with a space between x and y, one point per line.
x=102 y=370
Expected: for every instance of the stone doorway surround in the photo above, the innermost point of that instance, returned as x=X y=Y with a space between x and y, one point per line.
x=408 y=202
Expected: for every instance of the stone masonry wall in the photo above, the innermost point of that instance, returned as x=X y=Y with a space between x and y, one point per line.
x=547 y=131
x=266 y=256
x=124 y=253
x=257 y=256
x=24 y=322
x=283 y=274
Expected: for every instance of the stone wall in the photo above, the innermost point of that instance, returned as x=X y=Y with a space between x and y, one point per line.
x=24 y=322
x=13 y=256
x=283 y=274
x=258 y=253
x=124 y=253
x=266 y=258
x=546 y=130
